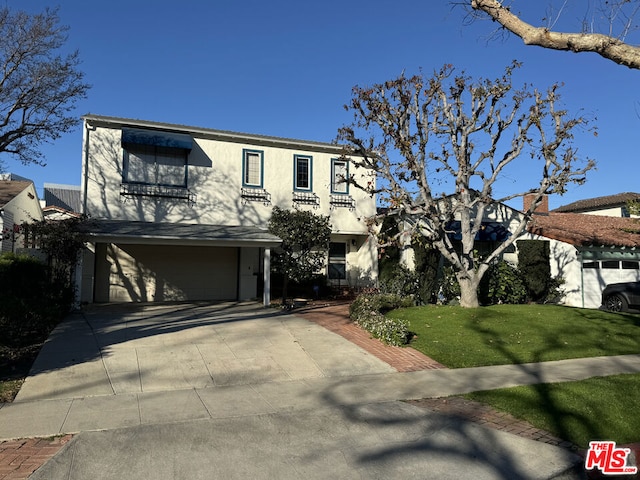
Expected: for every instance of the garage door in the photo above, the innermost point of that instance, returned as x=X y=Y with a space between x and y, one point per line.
x=598 y=274
x=157 y=273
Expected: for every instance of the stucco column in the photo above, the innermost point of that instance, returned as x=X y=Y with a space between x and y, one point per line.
x=266 y=295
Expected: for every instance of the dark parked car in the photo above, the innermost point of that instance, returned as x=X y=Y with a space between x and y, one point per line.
x=620 y=297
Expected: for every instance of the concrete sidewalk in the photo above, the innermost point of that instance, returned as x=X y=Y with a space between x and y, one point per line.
x=99 y=412
x=160 y=390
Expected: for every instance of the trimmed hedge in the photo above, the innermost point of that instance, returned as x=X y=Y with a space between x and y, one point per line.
x=503 y=283
x=368 y=311
x=30 y=303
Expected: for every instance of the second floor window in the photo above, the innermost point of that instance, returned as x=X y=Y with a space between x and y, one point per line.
x=302 y=173
x=252 y=168
x=155 y=165
x=339 y=176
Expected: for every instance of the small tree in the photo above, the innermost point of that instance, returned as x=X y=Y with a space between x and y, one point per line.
x=305 y=241
x=62 y=241
x=421 y=135
x=38 y=87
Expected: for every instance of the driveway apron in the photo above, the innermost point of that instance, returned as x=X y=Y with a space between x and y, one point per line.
x=131 y=349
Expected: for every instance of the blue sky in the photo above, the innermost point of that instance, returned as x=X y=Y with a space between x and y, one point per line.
x=286 y=68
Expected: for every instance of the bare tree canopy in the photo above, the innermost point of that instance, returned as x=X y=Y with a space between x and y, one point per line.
x=617 y=17
x=38 y=86
x=420 y=136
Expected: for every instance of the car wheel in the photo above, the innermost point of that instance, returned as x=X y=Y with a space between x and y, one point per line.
x=615 y=303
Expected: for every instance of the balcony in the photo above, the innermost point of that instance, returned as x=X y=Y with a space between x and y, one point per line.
x=304 y=198
x=255 y=195
x=157 y=191
x=342 y=201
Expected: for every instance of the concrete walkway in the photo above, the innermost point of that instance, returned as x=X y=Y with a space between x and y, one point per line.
x=188 y=390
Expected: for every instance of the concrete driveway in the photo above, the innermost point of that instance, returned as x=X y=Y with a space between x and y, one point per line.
x=129 y=349
x=236 y=391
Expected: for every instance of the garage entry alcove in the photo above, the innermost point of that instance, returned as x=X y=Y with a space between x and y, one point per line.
x=150 y=262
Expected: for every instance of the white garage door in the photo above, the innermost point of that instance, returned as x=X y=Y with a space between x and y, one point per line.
x=158 y=273
x=599 y=273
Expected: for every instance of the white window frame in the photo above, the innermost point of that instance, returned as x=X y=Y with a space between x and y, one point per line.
x=339 y=185
x=296 y=184
x=248 y=154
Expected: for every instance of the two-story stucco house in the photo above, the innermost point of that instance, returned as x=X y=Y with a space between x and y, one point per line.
x=180 y=213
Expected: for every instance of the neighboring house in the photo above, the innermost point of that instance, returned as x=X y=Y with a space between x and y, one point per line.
x=498 y=223
x=18 y=204
x=610 y=205
x=589 y=252
x=65 y=197
x=61 y=201
x=181 y=213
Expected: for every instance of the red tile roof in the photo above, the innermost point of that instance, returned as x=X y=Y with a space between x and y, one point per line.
x=619 y=199
x=581 y=229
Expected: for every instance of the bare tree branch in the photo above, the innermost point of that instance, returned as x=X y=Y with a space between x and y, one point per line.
x=38 y=87
x=608 y=46
x=409 y=129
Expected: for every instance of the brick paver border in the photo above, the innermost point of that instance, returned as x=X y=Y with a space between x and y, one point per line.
x=334 y=316
x=20 y=458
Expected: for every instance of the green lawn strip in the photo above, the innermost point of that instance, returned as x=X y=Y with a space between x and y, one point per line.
x=512 y=334
x=602 y=408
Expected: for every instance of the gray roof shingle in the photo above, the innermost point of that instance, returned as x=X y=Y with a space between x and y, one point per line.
x=120 y=231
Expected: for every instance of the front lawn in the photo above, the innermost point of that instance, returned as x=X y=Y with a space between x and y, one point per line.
x=512 y=334
x=602 y=408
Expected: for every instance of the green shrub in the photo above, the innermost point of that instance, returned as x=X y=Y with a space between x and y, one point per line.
x=368 y=311
x=389 y=255
x=448 y=286
x=502 y=283
x=427 y=262
x=533 y=263
x=30 y=303
x=400 y=281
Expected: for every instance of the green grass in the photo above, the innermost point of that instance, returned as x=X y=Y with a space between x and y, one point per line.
x=603 y=408
x=514 y=334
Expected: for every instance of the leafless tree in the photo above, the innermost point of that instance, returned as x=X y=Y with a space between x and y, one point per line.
x=413 y=133
x=38 y=86
x=603 y=30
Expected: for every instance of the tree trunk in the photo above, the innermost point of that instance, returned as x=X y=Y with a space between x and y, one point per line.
x=468 y=292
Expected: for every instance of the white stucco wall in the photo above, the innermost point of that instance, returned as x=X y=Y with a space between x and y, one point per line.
x=215 y=176
x=566 y=263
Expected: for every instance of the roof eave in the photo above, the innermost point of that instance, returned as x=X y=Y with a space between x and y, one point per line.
x=222 y=135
